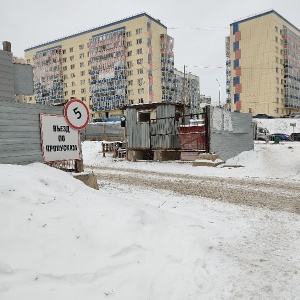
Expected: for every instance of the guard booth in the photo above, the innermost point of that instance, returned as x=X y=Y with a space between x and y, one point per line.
x=163 y=131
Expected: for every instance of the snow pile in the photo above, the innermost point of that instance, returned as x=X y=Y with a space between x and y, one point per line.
x=279 y=125
x=63 y=240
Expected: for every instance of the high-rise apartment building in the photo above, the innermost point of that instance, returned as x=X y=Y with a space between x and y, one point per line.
x=126 y=62
x=263 y=65
x=186 y=88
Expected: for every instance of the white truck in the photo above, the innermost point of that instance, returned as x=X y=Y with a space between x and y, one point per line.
x=260 y=133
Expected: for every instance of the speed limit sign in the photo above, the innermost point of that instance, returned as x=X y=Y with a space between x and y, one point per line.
x=76 y=114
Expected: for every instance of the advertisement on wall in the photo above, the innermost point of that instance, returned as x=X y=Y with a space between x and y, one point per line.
x=59 y=140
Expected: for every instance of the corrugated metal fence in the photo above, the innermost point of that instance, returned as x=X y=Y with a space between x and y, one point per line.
x=20 y=137
x=230 y=133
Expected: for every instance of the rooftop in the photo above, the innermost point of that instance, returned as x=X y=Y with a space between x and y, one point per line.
x=98 y=28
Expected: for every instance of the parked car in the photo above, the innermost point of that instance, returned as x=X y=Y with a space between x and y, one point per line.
x=281 y=136
x=295 y=115
x=263 y=116
x=295 y=137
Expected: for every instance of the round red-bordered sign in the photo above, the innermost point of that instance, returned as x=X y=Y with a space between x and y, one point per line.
x=76 y=114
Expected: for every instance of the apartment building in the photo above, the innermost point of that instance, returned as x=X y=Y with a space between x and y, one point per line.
x=126 y=62
x=186 y=88
x=263 y=64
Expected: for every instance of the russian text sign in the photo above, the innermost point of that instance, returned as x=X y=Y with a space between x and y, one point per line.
x=59 y=140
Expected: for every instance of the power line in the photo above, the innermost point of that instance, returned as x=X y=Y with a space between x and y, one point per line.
x=201 y=28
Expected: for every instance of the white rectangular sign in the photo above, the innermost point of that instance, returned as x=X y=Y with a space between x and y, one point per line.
x=59 y=140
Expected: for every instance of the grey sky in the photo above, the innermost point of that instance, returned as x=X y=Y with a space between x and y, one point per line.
x=199 y=26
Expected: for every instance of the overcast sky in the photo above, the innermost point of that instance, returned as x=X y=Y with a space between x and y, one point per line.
x=199 y=27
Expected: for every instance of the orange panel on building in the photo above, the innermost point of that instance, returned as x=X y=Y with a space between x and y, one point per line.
x=238 y=54
x=237 y=36
x=238 y=88
x=238 y=71
x=238 y=105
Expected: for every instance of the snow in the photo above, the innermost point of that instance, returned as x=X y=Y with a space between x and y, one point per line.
x=63 y=240
x=279 y=125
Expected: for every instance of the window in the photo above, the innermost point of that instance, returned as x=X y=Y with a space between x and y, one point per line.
x=276 y=28
x=277 y=90
x=130 y=82
x=65 y=84
x=72 y=67
x=139 y=41
x=277 y=69
x=82 y=73
x=139 y=51
x=128 y=33
x=72 y=75
x=140 y=71
x=144 y=116
x=277 y=59
x=276 y=39
x=73 y=92
x=28 y=61
x=129 y=44
x=66 y=93
x=139 y=31
x=81 y=64
x=236 y=63
x=83 y=91
x=277 y=80
x=73 y=83
x=139 y=61
x=140 y=81
x=277 y=100
x=64 y=51
x=141 y=91
x=83 y=98
x=129 y=53
x=72 y=58
x=82 y=82
x=65 y=77
x=64 y=59
x=236 y=46
x=81 y=55
x=71 y=49
x=81 y=46
x=129 y=73
x=129 y=64
x=65 y=68
x=130 y=92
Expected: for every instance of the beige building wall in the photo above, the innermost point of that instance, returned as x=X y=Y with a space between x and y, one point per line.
x=76 y=65
x=261 y=65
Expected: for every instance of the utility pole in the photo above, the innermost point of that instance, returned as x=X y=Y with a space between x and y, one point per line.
x=183 y=96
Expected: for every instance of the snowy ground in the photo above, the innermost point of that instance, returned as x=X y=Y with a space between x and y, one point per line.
x=63 y=240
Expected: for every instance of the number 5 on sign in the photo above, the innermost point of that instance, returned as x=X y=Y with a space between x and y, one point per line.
x=76 y=114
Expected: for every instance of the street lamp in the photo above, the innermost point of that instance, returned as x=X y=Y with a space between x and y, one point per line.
x=219 y=92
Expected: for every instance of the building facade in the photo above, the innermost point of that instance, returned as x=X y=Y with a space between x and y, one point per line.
x=263 y=65
x=123 y=63
x=186 y=87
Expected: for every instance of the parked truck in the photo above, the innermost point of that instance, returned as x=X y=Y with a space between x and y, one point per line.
x=260 y=133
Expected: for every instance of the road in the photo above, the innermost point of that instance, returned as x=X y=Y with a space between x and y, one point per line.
x=271 y=194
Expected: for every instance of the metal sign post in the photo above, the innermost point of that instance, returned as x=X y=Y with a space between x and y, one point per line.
x=293 y=125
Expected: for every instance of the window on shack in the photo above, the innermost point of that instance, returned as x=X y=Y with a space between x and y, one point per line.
x=144 y=116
